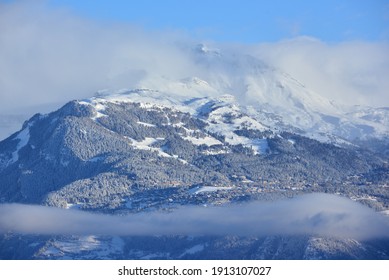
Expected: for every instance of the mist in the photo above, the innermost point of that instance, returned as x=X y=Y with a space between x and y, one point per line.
x=352 y=72
x=50 y=55
x=311 y=214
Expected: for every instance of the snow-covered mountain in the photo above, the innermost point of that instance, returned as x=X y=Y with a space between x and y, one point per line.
x=238 y=131
x=273 y=97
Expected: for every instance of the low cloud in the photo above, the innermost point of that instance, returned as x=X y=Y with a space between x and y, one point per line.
x=314 y=214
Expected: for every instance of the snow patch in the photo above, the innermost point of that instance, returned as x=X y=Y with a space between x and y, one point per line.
x=209 y=141
x=146 y=124
x=193 y=250
x=99 y=109
x=98 y=115
x=98 y=105
x=146 y=145
x=214 y=152
x=201 y=189
x=155 y=256
x=259 y=146
x=23 y=137
x=291 y=141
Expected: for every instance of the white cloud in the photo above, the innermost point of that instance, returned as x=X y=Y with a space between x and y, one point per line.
x=50 y=56
x=314 y=214
x=348 y=72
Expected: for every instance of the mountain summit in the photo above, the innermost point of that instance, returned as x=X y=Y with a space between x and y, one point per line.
x=273 y=97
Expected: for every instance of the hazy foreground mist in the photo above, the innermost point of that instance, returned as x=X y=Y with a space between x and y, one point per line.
x=313 y=214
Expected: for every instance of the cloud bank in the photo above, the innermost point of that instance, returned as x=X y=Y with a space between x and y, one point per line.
x=314 y=214
x=49 y=56
x=353 y=73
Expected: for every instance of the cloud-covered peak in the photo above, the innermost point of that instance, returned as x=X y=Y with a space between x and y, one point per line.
x=50 y=56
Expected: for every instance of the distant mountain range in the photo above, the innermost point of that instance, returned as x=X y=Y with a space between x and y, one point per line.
x=248 y=132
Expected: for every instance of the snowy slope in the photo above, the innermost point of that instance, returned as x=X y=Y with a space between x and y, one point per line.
x=223 y=116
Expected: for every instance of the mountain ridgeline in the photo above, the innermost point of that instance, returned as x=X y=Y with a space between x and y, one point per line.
x=101 y=153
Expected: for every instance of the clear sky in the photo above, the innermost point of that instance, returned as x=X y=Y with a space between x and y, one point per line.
x=246 y=21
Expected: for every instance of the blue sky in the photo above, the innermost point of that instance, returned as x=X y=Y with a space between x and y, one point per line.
x=246 y=21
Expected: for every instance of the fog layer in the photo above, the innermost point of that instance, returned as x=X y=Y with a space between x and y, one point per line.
x=313 y=214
